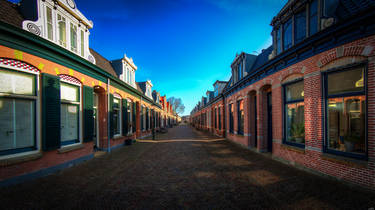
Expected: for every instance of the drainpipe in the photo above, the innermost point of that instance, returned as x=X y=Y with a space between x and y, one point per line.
x=109 y=120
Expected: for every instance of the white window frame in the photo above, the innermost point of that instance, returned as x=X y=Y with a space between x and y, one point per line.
x=119 y=117
x=38 y=143
x=80 y=114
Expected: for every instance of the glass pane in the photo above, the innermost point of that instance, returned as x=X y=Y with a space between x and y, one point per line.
x=287 y=34
x=49 y=23
x=69 y=122
x=69 y=92
x=25 y=122
x=300 y=26
x=294 y=91
x=278 y=40
x=313 y=21
x=240 y=117
x=116 y=121
x=6 y=124
x=17 y=83
x=346 y=81
x=346 y=124
x=73 y=37
x=62 y=30
x=116 y=103
x=82 y=44
x=295 y=122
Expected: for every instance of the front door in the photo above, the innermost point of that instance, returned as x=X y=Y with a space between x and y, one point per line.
x=269 y=121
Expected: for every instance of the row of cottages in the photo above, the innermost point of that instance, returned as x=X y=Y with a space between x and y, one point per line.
x=308 y=99
x=59 y=99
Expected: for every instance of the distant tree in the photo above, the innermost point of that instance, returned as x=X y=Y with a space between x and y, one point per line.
x=177 y=105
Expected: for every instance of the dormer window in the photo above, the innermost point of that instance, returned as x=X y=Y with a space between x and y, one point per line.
x=313 y=17
x=62 y=30
x=49 y=23
x=239 y=71
x=63 y=25
x=73 y=37
x=295 y=28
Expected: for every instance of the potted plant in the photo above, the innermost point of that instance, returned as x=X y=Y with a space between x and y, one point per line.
x=298 y=132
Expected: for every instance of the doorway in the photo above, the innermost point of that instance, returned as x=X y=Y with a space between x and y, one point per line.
x=269 y=121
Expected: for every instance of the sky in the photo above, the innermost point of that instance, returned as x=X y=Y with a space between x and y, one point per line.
x=182 y=46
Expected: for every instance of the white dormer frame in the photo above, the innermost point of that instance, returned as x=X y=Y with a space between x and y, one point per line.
x=128 y=71
x=68 y=10
x=149 y=86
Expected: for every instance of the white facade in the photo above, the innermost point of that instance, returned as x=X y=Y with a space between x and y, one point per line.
x=128 y=71
x=63 y=24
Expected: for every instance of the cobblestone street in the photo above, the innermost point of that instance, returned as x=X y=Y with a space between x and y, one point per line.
x=184 y=169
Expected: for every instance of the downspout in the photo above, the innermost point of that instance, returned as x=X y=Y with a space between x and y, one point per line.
x=109 y=120
x=224 y=117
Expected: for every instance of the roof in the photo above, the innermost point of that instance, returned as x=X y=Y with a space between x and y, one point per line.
x=103 y=62
x=138 y=87
x=262 y=58
x=10 y=14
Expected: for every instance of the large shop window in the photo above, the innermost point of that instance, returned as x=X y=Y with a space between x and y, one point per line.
x=117 y=116
x=346 y=112
x=17 y=112
x=294 y=114
x=241 y=117
x=231 y=118
x=70 y=105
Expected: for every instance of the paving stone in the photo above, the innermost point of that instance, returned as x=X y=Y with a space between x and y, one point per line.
x=184 y=169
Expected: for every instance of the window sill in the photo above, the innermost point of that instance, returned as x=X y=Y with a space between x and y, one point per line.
x=70 y=148
x=116 y=137
x=345 y=160
x=19 y=158
x=293 y=148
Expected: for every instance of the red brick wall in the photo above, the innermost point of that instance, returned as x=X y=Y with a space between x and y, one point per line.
x=312 y=157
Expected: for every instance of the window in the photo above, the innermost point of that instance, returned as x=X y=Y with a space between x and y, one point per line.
x=240 y=117
x=294 y=114
x=219 y=118
x=300 y=26
x=82 y=44
x=215 y=118
x=239 y=71
x=62 y=30
x=278 y=40
x=73 y=37
x=117 y=116
x=313 y=17
x=17 y=112
x=70 y=101
x=346 y=112
x=128 y=75
x=287 y=35
x=231 y=118
x=49 y=23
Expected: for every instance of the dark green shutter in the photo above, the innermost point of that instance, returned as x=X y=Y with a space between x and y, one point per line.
x=147 y=118
x=134 y=117
x=88 y=113
x=124 y=117
x=51 y=108
x=111 y=121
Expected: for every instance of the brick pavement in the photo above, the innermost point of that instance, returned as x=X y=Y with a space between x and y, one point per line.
x=184 y=169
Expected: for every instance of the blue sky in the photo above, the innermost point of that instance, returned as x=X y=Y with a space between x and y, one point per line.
x=182 y=46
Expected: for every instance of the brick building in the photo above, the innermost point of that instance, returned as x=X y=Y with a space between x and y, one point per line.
x=308 y=99
x=60 y=101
